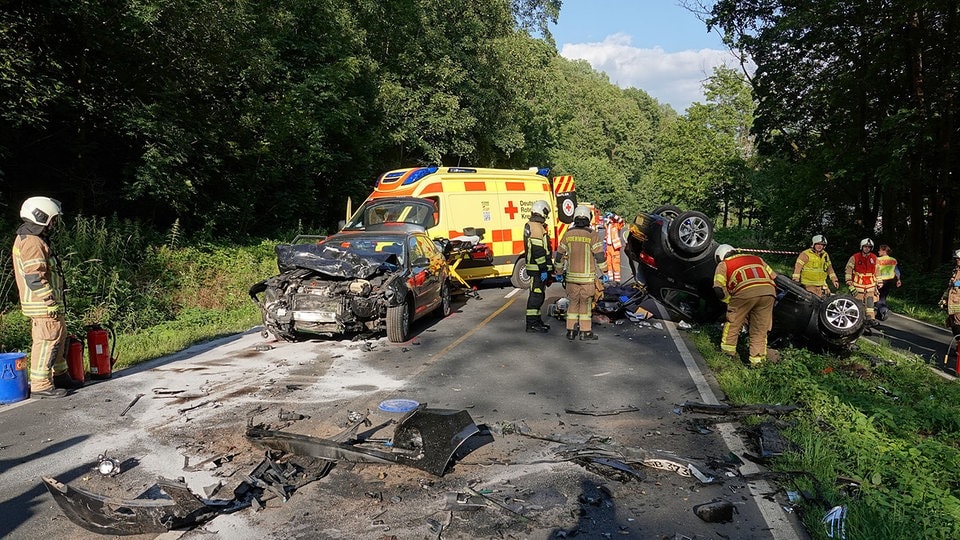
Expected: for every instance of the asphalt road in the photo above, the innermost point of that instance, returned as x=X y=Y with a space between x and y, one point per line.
x=190 y=423
x=925 y=340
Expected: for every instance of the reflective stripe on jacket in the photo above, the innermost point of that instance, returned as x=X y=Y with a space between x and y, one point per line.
x=40 y=286
x=581 y=254
x=953 y=294
x=813 y=268
x=745 y=275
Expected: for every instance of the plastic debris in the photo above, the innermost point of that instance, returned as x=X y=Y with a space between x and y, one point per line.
x=835 y=522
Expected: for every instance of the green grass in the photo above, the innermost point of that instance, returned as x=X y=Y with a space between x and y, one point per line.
x=878 y=432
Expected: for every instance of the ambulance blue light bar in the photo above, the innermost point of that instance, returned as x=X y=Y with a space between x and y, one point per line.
x=418 y=174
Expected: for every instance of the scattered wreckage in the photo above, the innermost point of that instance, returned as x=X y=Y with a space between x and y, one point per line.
x=672 y=253
x=381 y=278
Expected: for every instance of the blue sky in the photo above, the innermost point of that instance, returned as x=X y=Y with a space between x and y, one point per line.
x=654 y=45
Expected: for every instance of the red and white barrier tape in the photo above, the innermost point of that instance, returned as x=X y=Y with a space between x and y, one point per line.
x=776 y=251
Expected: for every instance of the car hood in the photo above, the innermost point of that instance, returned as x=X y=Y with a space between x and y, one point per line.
x=334 y=262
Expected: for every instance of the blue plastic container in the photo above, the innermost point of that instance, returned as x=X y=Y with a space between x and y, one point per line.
x=14 y=383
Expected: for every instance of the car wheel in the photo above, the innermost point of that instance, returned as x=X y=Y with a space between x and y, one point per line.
x=446 y=303
x=668 y=211
x=841 y=316
x=398 y=322
x=690 y=233
x=520 y=278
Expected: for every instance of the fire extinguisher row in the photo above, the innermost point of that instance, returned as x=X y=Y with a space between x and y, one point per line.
x=100 y=341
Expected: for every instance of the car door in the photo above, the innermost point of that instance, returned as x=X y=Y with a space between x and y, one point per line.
x=421 y=281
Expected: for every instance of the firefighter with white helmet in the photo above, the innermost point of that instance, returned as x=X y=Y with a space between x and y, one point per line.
x=745 y=283
x=40 y=283
x=613 y=245
x=536 y=242
x=813 y=267
x=579 y=255
x=860 y=275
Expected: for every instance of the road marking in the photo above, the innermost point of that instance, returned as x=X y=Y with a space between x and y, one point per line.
x=513 y=292
x=779 y=524
x=472 y=331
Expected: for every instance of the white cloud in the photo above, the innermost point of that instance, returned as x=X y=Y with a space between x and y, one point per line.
x=675 y=77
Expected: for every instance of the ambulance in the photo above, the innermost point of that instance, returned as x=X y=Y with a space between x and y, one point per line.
x=465 y=201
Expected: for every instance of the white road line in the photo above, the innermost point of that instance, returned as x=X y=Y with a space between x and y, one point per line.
x=513 y=292
x=780 y=525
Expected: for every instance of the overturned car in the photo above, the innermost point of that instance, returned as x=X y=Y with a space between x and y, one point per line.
x=381 y=278
x=672 y=253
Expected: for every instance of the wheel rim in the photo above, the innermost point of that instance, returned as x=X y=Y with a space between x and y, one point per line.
x=405 y=320
x=445 y=299
x=842 y=313
x=693 y=232
x=523 y=274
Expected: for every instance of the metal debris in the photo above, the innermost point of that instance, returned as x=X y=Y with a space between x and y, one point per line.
x=610 y=412
x=132 y=403
x=637 y=456
x=775 y=410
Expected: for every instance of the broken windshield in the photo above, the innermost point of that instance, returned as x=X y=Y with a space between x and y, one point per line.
x=393 y=210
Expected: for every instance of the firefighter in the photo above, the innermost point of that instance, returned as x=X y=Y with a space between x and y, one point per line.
x=860 y=275
x=888 y=276
x=37 y=272
x=951 y=297
x=579 y=256
x=614 y=243
x=536 y=242
x=745 y=283
x=813 y=267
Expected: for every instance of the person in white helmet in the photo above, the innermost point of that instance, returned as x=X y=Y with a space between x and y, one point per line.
x=536 y=242
x=37 y=272
x=860 y=275
x=813 y=267
x=579 y=256
x=951 y=297
x=746 y=284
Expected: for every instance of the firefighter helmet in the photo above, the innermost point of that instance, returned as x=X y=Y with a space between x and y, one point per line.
x=819 y=239
x=723 y=250
x=956 y=254
x=540 y=208
x=582 y=213
x=40 y=210
x=866 y=242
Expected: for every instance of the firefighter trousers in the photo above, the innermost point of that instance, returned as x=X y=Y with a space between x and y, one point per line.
x=580 y=310
x=758 y=313
x=869 y=297
x=535 y=298
x=48 y=353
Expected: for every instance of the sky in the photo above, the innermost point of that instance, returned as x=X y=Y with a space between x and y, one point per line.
x=654 y=45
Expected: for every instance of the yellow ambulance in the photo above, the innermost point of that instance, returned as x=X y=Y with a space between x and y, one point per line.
x=466 y=200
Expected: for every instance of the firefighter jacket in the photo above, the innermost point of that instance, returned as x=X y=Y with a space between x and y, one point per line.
x=887 y=268
x=952 y=294
x=861 y=271
x=813 y=268
x=580 y=254
x=37 y=275
x=536 y=245
x=744 y=276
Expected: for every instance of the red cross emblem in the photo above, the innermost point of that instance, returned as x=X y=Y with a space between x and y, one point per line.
x=511 y=209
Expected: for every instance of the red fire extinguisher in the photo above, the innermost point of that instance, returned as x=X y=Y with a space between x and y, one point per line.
x=100 y=343
x=75 y=358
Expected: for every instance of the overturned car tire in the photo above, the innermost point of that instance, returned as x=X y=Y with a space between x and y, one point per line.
x=398 y=322
x=690 y=233
x=668 y=211
x=841 y=316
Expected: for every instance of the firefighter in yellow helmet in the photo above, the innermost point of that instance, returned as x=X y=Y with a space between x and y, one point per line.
x=813 y=267
x=861 y=276
x=37 y=272
x=579 y=255
x=745 y=283
x=536 y=242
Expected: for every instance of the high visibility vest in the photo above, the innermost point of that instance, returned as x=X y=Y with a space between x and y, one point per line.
x=953 y=294
x=613 y=234
x=886 y=268
x=864 y=270
x=815 y=271
x=747 y=272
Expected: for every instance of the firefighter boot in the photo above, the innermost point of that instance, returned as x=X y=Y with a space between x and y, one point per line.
x=66 y=382
x=534 y=324
x=571 y=335
x=47 y=393
x=588 y=336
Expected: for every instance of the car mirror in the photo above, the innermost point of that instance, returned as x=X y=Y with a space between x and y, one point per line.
x=421 y=261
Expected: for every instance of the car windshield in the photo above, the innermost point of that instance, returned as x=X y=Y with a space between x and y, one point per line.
x=369 y=246
x=414 y=211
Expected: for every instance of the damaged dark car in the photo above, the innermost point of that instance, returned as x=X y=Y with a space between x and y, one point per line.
x=381 y=278
x=672 y=253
